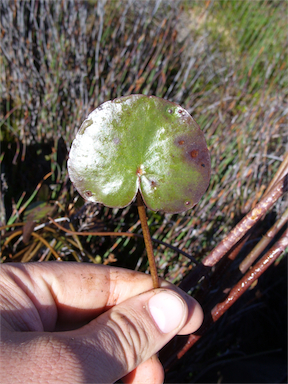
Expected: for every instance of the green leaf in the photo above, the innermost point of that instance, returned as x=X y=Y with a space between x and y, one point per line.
x=37 y=211
x=141 y=143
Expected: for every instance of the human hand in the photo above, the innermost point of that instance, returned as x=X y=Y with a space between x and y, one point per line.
x=83 y=323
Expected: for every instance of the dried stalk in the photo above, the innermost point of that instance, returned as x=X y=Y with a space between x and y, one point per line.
x=263 y=243
x=252 y=275
x=234 y=239
x=281 y=172
x=236 y=234
x=47 y=245
x=127 y=234
x=245 y=224
x=236 y=292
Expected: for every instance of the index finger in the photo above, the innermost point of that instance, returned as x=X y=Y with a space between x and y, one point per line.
x=70 y=292
x=68 y=295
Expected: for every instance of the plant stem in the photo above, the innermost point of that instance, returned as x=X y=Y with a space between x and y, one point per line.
x=169 y=357
x=245 y=224
x=263 y=243
x=147 y=240
x=128 y=234
x=237 y=233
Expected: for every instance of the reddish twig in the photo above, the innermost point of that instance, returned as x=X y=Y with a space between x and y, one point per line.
x=127 y=234
x=234 y=239
x=253 y=274
x=245 y=225
x=236 y=292
x=263 y=243
x=236 y=234
x=281 y=172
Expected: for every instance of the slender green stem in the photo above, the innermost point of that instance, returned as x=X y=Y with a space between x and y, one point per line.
x=147 y=240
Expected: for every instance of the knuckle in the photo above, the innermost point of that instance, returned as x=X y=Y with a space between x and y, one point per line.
x=131 y=333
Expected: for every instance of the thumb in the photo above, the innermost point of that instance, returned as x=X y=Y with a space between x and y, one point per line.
x=131 y=332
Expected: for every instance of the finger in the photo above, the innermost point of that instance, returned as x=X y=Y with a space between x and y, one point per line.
x=104 y=350
x=130 y=333
x=151 y=371
x=55 y=293
x=195 y=315
x=68 y=295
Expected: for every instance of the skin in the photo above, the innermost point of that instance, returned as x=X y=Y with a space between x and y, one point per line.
x=82 y=323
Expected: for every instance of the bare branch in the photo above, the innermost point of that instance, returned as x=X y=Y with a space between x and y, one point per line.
x=245 y=224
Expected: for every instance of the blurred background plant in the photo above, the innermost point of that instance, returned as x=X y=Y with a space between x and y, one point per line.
x=223 y=61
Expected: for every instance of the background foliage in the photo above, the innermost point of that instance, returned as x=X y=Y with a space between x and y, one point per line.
x=223 y=61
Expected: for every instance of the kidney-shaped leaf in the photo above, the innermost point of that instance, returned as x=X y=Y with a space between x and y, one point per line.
x=140 y=143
